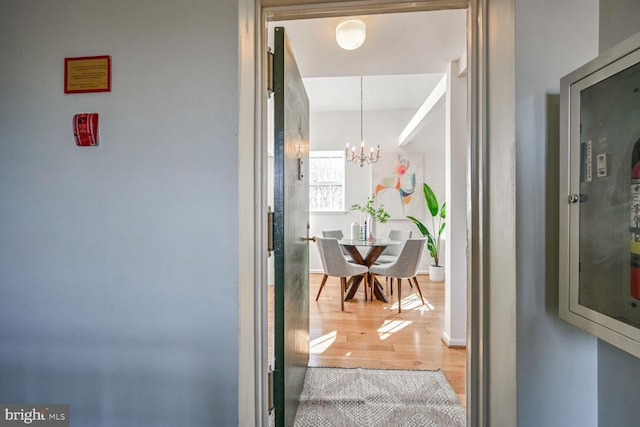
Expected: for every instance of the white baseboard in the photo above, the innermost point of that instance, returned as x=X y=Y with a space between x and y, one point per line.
x=454 y=343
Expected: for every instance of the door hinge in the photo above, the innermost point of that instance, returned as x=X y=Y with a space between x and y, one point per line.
x=270 y=390
x=269 y=231
x=270 y=71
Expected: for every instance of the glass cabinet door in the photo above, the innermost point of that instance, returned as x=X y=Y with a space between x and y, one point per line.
x=600 y=217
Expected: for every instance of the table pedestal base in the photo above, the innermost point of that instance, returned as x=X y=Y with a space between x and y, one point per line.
x=378 y=291
x=372 y=256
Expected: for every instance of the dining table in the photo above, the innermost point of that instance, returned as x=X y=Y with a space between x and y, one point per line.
x=374 y=248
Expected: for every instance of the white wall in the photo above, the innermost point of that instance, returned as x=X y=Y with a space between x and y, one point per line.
x=556 y=363
x=332 y=130
x=456 y=143
x=118 y=263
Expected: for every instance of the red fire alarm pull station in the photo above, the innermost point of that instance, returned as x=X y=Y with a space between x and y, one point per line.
x=85 y=129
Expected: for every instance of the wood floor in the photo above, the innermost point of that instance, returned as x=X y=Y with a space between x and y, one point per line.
x=373 y=334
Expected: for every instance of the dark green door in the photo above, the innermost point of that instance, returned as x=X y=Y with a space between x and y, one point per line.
x=290 y=224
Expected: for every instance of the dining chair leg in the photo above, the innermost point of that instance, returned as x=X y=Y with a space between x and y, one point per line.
x=370 y=284
x=343 y=284
x=324 y=280
x=365 y=282
x=365 y=279
x=399 y=295
x=415 y=280
x=391 y=284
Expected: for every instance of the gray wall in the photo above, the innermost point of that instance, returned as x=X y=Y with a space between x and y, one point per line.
x=618 y=387
x=619 y=19
x=118 y=281
x=557 y=381
x=618 y=372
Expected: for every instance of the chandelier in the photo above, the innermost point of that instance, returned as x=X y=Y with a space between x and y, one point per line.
x=361 y=158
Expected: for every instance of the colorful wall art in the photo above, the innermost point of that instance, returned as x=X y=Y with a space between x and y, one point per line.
x=397 y=182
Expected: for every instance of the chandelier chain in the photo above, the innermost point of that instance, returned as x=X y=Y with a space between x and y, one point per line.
x=361 y=158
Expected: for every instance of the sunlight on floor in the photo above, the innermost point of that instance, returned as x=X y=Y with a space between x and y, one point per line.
x=413 y=302
x=320 y=344
x=390 y=327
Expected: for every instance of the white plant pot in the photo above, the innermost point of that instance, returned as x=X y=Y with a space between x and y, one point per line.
x=436 y=273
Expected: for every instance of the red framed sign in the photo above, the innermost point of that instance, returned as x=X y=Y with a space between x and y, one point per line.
x=87 y=74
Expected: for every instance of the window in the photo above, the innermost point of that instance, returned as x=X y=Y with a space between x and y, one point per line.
x=326 y=186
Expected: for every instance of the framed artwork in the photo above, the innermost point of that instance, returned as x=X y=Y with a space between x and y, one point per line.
x=397 y=183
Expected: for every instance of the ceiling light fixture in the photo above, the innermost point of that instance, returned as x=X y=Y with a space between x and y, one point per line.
x=361 y=158
x=350 y=34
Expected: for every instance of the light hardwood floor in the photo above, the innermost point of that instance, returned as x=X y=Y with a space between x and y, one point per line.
x=373 y=334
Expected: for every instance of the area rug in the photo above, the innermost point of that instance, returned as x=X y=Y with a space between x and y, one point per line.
x=360 y=397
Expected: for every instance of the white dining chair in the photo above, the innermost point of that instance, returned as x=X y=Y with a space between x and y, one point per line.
x=337 y=234
x=404 y=267
x=334 y=264
x=391 y=253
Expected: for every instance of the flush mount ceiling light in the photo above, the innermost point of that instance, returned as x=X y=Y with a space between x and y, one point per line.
x=350 y=34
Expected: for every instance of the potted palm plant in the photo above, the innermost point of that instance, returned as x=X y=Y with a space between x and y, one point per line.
x=436 y=271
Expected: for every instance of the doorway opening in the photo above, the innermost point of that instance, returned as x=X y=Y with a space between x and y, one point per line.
x=385 y=119
x=491 y=365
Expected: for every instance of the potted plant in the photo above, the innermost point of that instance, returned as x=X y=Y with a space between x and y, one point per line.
x=436 y=271
x=375 y=214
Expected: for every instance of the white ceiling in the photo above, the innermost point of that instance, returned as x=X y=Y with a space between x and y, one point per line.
x=402 y=59
x=404 y=91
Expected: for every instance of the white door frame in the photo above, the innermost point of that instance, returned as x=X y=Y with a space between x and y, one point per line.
x=491 y=363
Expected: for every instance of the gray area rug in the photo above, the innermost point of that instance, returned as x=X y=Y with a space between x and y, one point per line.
x=359 y=397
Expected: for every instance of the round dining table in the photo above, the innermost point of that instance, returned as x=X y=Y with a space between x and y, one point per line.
x=374 y=248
